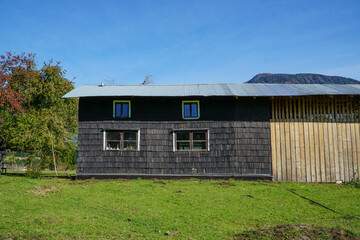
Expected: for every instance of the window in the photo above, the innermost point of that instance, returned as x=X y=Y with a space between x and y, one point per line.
x=196 y=140
x=191 y=109
x=122 y=109
x=121 y=140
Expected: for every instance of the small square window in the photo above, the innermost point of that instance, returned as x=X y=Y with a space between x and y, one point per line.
x=122 y=109
x=191 y=109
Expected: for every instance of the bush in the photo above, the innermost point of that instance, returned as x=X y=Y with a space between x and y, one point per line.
x=33 y=167
x=355 y=181
x=10 y=159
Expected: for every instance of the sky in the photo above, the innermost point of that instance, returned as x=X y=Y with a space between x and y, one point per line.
x=185 y=41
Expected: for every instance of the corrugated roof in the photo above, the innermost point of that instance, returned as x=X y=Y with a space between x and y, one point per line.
x=217 y=89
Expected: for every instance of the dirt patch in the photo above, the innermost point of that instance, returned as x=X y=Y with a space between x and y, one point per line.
x=42 y=190
x=171 y=233
x=159 y=182
x=82 y=182
x=7 y=237
x=224 y=184
x=298 y=232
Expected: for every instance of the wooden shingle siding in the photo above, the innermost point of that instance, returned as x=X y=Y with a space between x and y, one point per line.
x=236 y=148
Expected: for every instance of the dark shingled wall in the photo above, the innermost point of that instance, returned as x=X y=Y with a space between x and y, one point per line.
x=236 y=147
x=170 y=109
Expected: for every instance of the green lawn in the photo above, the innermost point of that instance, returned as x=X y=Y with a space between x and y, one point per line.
x=58 y=208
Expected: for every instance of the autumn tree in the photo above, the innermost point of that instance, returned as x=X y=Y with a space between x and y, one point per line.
x=35 y=118
x=14 y=69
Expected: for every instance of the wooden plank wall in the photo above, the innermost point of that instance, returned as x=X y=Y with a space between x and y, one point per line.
x=315 y=151
x=315 y=139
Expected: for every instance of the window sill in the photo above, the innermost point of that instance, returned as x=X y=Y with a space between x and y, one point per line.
x=122 y=150
x=205 y=150
x=191 y=118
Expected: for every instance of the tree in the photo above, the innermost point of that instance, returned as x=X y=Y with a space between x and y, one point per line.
x=147 y=80
x=13 y=69
x=37 y=119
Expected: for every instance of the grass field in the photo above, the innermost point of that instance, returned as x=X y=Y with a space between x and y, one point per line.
x=61 y=208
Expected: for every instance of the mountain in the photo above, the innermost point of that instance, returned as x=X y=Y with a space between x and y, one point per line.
x=301 y=78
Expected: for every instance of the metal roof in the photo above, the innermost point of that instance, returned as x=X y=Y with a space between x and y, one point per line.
x=217 y=89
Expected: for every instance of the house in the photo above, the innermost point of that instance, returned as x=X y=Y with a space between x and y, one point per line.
x=284 y=132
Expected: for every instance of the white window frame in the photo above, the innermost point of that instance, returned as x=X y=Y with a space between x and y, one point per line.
x=121 y=130
x=191 y=130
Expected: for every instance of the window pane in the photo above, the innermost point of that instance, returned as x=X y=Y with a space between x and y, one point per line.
x=113 y=135
x=130 y=135
x=117 y=109
x=200 y=145
x=125 y=110
x=186 y=110
x=113 y=145
x=194 y=111
x=130 y=145
x=182 y=136
x=183 y=145
x=199 y=136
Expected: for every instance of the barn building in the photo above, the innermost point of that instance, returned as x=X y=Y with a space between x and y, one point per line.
x=284 y=132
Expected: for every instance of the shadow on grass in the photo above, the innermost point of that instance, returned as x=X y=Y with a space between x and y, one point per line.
x=14 y=174
x=297 y=232
x=43 y=175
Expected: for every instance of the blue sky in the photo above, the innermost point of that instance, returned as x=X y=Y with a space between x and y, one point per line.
x=185 y=41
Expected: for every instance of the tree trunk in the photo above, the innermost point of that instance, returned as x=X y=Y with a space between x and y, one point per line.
x=53 y=153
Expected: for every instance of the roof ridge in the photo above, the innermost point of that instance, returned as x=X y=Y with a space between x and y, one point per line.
x=149 y=85
x=226 y=84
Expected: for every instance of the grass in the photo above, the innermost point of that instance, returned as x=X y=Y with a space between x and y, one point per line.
x=61 y=208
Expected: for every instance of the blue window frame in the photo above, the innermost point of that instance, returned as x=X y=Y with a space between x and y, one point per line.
x=191 y=109
x=122 y=109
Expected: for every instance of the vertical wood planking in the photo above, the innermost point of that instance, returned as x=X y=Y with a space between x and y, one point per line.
x=325 y=166
x=316 y=172
x=353 y=147
x=302 y=152
x=290 y=109
x=336 y=151
x=340 y=151
x=282 y=104
x=315 y=139
x=321 y=170
x=288 y=151
x=273 y=150
x=291 y=136
x=278 y=152
x=345 y=151
x=327 y=173
x=349 y=150
x=273 y=110
x=331 y=165
x=283 y=144
x=357 y=138
x=312 y=152
x=307 y=152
